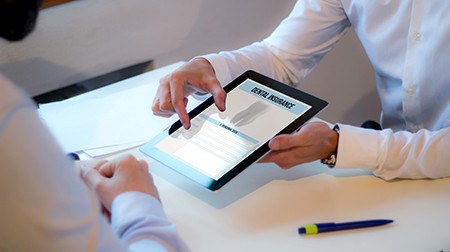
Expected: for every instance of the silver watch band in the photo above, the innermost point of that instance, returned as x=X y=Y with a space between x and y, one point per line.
x=331 y=160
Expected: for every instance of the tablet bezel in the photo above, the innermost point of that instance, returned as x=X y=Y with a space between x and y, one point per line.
x=316 y=104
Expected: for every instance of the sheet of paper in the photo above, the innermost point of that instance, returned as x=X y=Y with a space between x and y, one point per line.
x=117 y=118
x=111 y=120
x=97 y=152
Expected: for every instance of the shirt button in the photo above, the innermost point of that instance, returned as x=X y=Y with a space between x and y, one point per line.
x=417 y=36
x=411 y=90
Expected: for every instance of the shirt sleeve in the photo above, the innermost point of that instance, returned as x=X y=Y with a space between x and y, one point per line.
x=45 y=206
x=140 y=221
x=395 y=155
x=292 y=51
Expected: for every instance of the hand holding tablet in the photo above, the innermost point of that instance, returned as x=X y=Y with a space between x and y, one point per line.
x=219 y=145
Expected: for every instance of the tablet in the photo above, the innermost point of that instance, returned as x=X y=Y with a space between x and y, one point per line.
x=220 y=145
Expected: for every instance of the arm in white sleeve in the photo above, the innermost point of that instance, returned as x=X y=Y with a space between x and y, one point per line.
x=140 y=221
x=293 y=49
x=45 y=206
x=390 y=155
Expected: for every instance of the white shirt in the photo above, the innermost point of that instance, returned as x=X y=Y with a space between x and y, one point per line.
x=408 y=44
x=46 y=207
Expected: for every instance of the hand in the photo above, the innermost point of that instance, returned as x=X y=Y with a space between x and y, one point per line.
x=195 y=76
x=114 y=177
x=94 y=164
x=312 y=142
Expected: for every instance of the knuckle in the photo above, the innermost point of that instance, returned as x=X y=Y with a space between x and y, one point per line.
x=142 y=163
x=176 y=78
x=155 y=108
x=129 y=158
x=166 y=107
x=163 y=107
x=100 y=186
x=164 y=80
x=178 y=102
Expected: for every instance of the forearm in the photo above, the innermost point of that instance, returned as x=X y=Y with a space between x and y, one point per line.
x=47 y=207
x=395 y=155
x=257 y=56
x=295 y=47
x=265 y=58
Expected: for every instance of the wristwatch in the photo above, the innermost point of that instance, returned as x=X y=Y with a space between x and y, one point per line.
x=331 y=160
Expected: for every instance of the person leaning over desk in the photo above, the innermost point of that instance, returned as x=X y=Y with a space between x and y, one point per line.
x=408 y=44
x=45 y=206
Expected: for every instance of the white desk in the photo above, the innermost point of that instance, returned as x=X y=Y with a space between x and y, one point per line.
x=261 y=209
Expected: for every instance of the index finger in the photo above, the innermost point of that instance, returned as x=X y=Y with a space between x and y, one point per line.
x=178 y=100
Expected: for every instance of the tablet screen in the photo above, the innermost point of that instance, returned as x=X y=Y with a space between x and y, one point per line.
x=219 y=142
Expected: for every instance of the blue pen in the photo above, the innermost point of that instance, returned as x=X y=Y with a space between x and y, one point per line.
x=332 y=226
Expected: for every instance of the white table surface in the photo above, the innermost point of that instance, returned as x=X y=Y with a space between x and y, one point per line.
x=261 y=209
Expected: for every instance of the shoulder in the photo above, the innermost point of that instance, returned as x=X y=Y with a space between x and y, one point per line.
x=10 y=95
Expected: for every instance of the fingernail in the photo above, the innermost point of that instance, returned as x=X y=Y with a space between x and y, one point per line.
x=273 y=145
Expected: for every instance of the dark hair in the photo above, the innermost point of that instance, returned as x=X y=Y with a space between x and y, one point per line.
x=18 y=18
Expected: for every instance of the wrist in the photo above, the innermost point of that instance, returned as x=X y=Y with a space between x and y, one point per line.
x=204 y=62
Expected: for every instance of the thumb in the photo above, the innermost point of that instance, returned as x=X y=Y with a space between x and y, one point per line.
x=90 y=176
x=283 y=142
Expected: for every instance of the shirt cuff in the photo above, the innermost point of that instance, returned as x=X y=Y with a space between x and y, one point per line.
x=128 y=207
x=221 y=69
x=357 y=148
